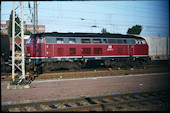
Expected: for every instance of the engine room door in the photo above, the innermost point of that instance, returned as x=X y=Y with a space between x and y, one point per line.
x=49 y=50
x=131 y=50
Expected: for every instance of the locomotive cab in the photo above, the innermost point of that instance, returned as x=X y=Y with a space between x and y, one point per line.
x=35 y=46
x=140 y=48
x=27 y=46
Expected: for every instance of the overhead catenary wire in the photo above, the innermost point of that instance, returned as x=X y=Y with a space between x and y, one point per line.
x=103 y=13
x=125 y=7
x=59 y=16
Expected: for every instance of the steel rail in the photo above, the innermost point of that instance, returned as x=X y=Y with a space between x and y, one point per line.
x=84 y=103
x=7 y=77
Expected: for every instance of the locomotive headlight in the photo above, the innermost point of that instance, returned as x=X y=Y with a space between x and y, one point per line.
x=28 y=54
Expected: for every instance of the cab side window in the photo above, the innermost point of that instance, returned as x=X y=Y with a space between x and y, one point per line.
x=119 y=41
x=125 y=41
x=131 y=41
x=105 y=41
x=111 y=41
x=29 y=41
x=50 y=40
x=60 y=40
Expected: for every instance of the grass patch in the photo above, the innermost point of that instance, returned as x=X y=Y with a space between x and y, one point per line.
x=126 y=74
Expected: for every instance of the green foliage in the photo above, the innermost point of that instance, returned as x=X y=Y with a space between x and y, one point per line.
x=126 y=73
x=17 y=28
x=104 y=30
x=27 y=32
x=136 y=30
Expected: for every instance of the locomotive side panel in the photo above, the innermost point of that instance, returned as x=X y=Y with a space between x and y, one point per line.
x=140 y=50
x=120 y=50
x=79 y=50
x=61 y=50
x=42 y=49
x=49 y=50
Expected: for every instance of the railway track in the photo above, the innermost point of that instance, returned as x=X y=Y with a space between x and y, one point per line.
x=97 y=71
x=114 y=102
x=153 y=67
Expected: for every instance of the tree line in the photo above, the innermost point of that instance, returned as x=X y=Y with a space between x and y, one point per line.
x=17 y=28
x=135 y=30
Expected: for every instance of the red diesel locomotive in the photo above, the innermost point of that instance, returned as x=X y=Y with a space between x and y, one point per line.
x=75 y=50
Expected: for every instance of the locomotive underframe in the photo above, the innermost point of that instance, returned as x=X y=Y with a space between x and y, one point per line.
x=40 y=65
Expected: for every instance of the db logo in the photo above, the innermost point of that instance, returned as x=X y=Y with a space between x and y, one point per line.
x=109 y=48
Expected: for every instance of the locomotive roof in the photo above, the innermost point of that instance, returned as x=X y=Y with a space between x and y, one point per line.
x=108 y=35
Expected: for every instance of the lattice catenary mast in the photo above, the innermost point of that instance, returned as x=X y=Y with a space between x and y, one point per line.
x=18 y=61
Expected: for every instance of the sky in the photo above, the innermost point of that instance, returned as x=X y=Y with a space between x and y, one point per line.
x=80 y=16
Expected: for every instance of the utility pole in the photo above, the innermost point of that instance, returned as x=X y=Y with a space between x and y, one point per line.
x=18 y=56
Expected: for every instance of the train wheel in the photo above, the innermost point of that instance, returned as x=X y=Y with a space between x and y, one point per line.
x=39 y=69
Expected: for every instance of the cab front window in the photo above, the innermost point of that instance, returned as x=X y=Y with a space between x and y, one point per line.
x=40 y=40
x=29 y=41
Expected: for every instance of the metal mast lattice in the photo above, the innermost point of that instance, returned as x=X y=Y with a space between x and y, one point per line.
x=18 y=61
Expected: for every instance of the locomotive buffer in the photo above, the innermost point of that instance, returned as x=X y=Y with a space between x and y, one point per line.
x=18 y=60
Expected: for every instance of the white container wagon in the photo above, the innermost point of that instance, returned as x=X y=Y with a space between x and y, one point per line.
x=159 y=47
